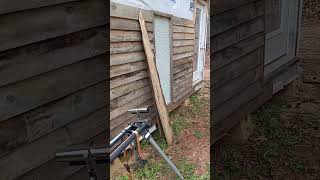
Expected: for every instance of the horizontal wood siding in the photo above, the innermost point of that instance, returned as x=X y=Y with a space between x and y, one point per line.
x=53 y=83
x=130 y=86
x=130 y=83
x=237 y=51
x=183 y=56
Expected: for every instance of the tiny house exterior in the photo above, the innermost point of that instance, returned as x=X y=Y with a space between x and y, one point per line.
x=177 y=30
x=254 y=46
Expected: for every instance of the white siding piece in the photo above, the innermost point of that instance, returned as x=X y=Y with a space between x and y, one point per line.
x=163 y=56
x=178 y=8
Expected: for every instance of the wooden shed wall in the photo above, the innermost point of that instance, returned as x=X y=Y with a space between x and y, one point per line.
x=183 y=57
x=237 y=43
x=130 y=84
x=52 y=83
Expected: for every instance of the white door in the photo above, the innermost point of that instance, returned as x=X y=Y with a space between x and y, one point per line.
x=200 y=43
x=163 y=54
x=281 y=33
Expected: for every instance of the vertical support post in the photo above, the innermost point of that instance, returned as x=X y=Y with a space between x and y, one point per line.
x=160 y=102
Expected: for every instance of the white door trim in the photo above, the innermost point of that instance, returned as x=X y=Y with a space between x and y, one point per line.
x=198 y=75
x=275 y=58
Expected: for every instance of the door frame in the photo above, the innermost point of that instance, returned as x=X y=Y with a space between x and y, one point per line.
x=292 y=40
x=203 y=14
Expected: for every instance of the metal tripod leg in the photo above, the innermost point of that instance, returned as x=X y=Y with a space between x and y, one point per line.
x=163 y=155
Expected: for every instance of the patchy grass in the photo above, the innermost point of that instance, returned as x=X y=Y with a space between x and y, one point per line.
x=186 y=121
x=179 y=122
x=123 y=178
x=271 y=150
x=198 y=134
x=206 y=175
x=149 y=171
x=266 y=121
x=161 y=141
x=186 y=168
x=195 y=104
x=298 y=166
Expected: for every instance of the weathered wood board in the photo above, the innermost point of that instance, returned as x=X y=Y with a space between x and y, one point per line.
x=158 y=95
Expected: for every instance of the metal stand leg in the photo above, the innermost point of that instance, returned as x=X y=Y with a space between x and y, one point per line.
x=163 y=155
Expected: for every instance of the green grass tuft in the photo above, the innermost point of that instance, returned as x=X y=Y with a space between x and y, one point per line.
x=195 y=104
x=187 y=169
x=198 y=134
x=123 y=178
x=150 y=171
x=178 y=123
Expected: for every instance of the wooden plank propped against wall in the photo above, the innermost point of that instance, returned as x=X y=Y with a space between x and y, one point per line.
x=161 y=106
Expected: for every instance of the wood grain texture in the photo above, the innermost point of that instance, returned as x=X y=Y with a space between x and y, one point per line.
x=183 y=55
x=50 y=22
x=178 y=43
x=181 y=29
x=221 y=128
x=182 y=22
x=128 y=24
x=223 y=111
x=125 y=47
x=188 y=92
x=23 y=159
x=183 y=78
x=129 y=105
x=28 y=61
x=7 y=6
x=126 y=88
x=41 y=121
x=237 y=34
x=24 y=96
x=179 y=87
x=128 y=78
x=122 y=100
x=177 y=36
x=183 y=73
x=180 y=68
x=237 y=37
x=127 y=68
x=237 y=16
x=121 y=36
x=125 y=58
x=183 y=61
x=124 y=11
x=238 y=67
x=220 y=6
x=60 y=171
x=232 y=53
x=237 y=85
x=158 y=95
x=121 y=120
x=182 y=90
x=182 y=49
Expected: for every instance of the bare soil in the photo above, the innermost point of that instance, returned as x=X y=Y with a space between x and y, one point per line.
x=187 y=143
x=311 y=11
x=285 y=141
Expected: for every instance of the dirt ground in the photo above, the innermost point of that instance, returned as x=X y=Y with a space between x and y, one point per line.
x=285 y=140
x=284 y=144
x=191 y=147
